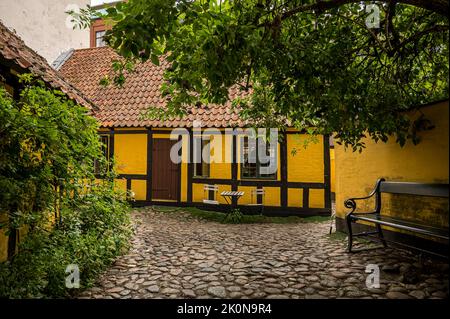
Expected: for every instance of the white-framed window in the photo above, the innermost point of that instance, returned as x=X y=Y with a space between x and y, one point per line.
x=99 y=39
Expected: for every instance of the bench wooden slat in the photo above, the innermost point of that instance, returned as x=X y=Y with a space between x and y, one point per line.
x=404 y=224
x=420 y=189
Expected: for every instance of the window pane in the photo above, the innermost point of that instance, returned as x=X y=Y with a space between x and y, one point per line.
x=105 y=146
x=104 y=139
x=202 y=169
x=99 y=40
x=249 y=167
x=269 y=169
x=252 y=167
x=197 y=169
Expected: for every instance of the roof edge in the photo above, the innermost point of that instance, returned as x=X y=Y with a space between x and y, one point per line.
x=419 y=106
x=62 y=58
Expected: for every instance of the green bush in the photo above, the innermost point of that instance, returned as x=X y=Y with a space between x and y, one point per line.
x=48 y=148
x=235 y=216
x=94 y=230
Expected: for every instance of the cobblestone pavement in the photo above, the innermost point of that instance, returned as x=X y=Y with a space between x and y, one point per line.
x=176 y=256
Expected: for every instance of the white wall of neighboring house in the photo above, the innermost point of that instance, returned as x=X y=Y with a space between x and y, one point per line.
x=44 y=25
x=95 y=3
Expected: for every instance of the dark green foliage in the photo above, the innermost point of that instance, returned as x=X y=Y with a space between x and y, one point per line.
x=93 y=232
x=48 y=146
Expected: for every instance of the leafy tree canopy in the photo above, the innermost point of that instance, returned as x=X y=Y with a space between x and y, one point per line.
x=326 y=66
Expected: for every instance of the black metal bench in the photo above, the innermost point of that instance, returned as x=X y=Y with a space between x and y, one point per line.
x=375 y=217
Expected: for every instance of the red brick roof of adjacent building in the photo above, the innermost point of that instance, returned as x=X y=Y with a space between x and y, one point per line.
x=124 y=106
x=14 y=52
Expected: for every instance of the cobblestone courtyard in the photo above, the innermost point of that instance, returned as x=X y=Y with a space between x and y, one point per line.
x=174 y=255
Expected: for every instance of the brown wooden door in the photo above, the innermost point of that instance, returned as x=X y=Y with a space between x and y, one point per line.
x=165 y=173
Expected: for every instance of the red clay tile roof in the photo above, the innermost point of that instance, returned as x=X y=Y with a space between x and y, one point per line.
x=123 y=106
x=14 y=50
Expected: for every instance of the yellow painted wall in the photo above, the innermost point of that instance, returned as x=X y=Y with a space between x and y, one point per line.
x=428 y=162
x=316 y=198
x=295 y=197
x=219 y=170
x=248 y=198
x=130 y=152
x=272 y=196
x=184 y=168
x=121 y=184
x=306 y=164
x=139 y=188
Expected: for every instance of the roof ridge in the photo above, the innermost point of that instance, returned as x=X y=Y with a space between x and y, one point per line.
x=93 y=48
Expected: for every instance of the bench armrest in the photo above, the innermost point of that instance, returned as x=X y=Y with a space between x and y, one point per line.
x=350 y=203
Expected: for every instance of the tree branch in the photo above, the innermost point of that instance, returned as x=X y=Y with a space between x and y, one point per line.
x=390 y=24
x=438 y=6
x=418 y=35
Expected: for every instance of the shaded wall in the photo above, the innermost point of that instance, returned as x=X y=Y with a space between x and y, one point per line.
x=427 y=162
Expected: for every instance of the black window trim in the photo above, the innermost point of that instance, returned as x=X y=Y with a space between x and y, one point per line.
x=194 y=170
x=106 y=153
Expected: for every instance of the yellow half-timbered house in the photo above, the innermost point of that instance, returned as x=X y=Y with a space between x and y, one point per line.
x=301 y=183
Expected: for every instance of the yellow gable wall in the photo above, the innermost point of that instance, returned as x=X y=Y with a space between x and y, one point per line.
x=428 y=162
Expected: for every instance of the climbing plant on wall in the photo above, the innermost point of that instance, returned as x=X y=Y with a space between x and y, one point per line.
x=46 y=143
